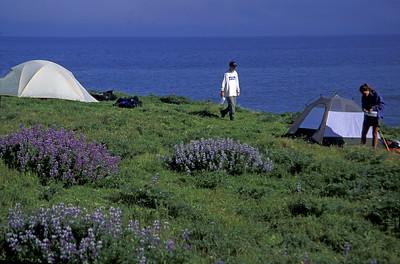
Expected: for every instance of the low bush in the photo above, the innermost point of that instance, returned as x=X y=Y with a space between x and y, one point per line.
x=359 y=154
x=209 y=180
x=252 y=192
x=69 y=234
x=173 y=99
x=295 y=161
x=364 y=155
x=335 y=190
x=218 y=155
x=385 y=212
x=305 y=207
x=57 y=155
x=204 y=113
x=147 y=196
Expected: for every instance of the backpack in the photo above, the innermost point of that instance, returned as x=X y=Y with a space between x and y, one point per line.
x=130 y=102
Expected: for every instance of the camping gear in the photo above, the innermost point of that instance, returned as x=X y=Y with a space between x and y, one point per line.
x=130 y=102
x=395 y=144
x=104 y=96
x=331 y=120
x=43 y=79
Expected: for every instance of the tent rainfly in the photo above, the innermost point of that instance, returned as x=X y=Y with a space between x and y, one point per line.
x=43 y=79
x=330 y=120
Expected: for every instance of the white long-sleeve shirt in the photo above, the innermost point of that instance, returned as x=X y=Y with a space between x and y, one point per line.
x=230 y=84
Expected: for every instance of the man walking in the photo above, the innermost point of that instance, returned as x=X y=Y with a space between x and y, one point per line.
x=230 y=90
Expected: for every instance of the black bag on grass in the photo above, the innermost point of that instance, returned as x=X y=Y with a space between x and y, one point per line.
x=130 y=102
x=104 y=96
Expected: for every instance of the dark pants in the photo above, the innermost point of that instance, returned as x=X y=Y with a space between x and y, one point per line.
x=368 y=122
x=230 y=108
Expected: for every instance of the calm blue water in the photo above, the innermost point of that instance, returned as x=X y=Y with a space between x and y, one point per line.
x=277 y=74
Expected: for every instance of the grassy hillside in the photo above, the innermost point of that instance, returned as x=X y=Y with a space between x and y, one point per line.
x=318 y=205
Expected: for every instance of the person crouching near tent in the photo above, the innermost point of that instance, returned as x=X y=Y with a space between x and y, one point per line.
x=230 y=90
x=372 y=105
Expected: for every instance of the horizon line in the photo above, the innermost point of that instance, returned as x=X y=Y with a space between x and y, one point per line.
x=210 y=36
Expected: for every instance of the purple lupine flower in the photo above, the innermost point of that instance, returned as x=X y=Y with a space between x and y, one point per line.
x=114 y=223
x=134 y=226
x=170 y=246
x=57 y=154
x=16 y=217
x=157 y=226
x=88 y=248
x=65 y=233
x=186 y=239
x=298 y=187
x=185 y=235
x=306 y=259
x=143 y=260
x=218 y=154
x=155 y=178
x=346 y=248
x=166 y=225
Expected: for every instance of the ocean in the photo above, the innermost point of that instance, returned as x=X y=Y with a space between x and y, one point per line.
x=277 y=74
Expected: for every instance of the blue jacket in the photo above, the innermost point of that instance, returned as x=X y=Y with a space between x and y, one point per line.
x=374 y=102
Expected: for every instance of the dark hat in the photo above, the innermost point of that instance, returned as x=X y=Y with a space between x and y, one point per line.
x=232 y=64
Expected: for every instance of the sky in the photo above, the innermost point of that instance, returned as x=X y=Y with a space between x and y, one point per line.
x=137 y=18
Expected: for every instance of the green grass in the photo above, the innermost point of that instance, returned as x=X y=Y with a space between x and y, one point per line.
x=314 y=201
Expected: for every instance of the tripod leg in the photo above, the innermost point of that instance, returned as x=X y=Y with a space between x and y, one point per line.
x=384 y=140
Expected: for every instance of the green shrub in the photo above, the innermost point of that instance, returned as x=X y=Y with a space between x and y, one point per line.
x=305 y=207
x=366 y=155
x=147 y=196
x=294 y=161
x=204 y=113
x=252 y=192
x=335 y=190
x=209 y=180
x=174 y=99
x=359 y=154
x=385 y=212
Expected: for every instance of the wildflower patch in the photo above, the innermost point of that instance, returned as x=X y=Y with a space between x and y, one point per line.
x=70 y=234
x=57 y=155
x=218 y=155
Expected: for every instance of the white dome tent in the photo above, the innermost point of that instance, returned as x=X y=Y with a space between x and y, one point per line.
x=331 y=120
x=43 y=79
